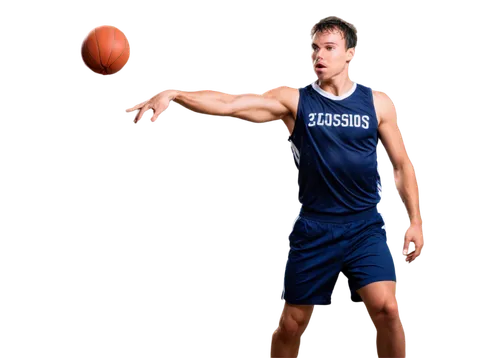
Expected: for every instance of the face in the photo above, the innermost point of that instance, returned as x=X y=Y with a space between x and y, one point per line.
x=329 y=54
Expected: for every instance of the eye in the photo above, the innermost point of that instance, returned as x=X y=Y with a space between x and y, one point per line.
x=329 y=48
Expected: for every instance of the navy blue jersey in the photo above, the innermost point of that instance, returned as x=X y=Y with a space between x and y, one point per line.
x=334 y=145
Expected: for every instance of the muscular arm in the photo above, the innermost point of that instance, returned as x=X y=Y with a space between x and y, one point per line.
x=405 y=179
x=216 y=94
x=276 y=92
x=270 y=106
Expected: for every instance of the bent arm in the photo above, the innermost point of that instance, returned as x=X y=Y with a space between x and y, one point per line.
x=404 y=174
x=251 y=107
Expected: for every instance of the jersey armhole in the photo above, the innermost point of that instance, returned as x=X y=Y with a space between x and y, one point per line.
x=374 y=109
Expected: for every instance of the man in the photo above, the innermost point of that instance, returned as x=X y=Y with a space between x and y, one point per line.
x=334 y=127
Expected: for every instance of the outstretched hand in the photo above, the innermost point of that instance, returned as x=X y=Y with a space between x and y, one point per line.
x=158 y=104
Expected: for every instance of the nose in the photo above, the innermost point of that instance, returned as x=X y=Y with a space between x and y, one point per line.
x=317 y=56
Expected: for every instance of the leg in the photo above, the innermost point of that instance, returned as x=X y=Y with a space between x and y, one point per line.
x=370 y=269
x=293 y=322
x=380 y=300
x=311 y=272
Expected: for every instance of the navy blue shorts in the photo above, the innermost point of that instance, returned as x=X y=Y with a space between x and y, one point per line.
x=322 y=246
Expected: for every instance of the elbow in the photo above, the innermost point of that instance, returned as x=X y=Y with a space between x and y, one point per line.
x=243 y=107
x=225 y=109
x=402 y=168
x=402 y=165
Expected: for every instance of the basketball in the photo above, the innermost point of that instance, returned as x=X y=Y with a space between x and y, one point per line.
x=105 y=50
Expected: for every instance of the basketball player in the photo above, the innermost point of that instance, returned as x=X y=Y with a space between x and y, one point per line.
x=334 y=127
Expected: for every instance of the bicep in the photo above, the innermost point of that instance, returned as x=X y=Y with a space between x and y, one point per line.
x=257 y=108
x=390 y=134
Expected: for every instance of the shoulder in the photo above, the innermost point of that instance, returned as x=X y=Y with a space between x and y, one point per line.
x=287 y=96
x=282 y=92
x=384 y=106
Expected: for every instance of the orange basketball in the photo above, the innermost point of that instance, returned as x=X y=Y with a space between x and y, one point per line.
x=105 y=50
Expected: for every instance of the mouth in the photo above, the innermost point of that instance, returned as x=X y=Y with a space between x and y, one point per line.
x=319 y=65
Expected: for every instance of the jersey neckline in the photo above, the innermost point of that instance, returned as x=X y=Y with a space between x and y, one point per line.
x=331 y=95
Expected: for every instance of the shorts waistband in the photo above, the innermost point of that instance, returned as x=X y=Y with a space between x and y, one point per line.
x=333 y=218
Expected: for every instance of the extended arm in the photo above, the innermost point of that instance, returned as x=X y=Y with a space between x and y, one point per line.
x=252 y=107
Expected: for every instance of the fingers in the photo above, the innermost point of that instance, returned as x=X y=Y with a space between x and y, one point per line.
x=142 y=114
x=406 y=250
x=410 y=257
x=134 y=107
x=139 y=115
x=406 y=246
x=156 y=117
x=157 y=103
x=157 y=114
x=414 y=254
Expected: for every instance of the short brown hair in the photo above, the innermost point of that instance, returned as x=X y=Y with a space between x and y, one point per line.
x=331 y=23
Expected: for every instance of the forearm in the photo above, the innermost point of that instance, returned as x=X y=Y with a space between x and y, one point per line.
x=406 y=183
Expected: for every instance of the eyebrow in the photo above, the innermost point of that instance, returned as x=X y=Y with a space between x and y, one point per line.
x=326 y=43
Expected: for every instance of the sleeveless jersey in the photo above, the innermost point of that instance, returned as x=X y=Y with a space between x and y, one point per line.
x=334 y=145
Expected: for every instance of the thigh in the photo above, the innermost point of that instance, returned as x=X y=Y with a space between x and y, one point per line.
x=368 y=259
x=313 y=264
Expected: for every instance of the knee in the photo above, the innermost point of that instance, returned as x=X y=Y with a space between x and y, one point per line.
x=387 y=312
x=290 y=327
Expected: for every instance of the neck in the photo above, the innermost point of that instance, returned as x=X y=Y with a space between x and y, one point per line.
x=337 y=85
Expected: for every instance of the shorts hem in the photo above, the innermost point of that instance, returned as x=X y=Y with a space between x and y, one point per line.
x=373 y=280
x=308 y=302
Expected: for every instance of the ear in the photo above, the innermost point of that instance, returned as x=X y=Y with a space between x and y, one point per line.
x=350 y=54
